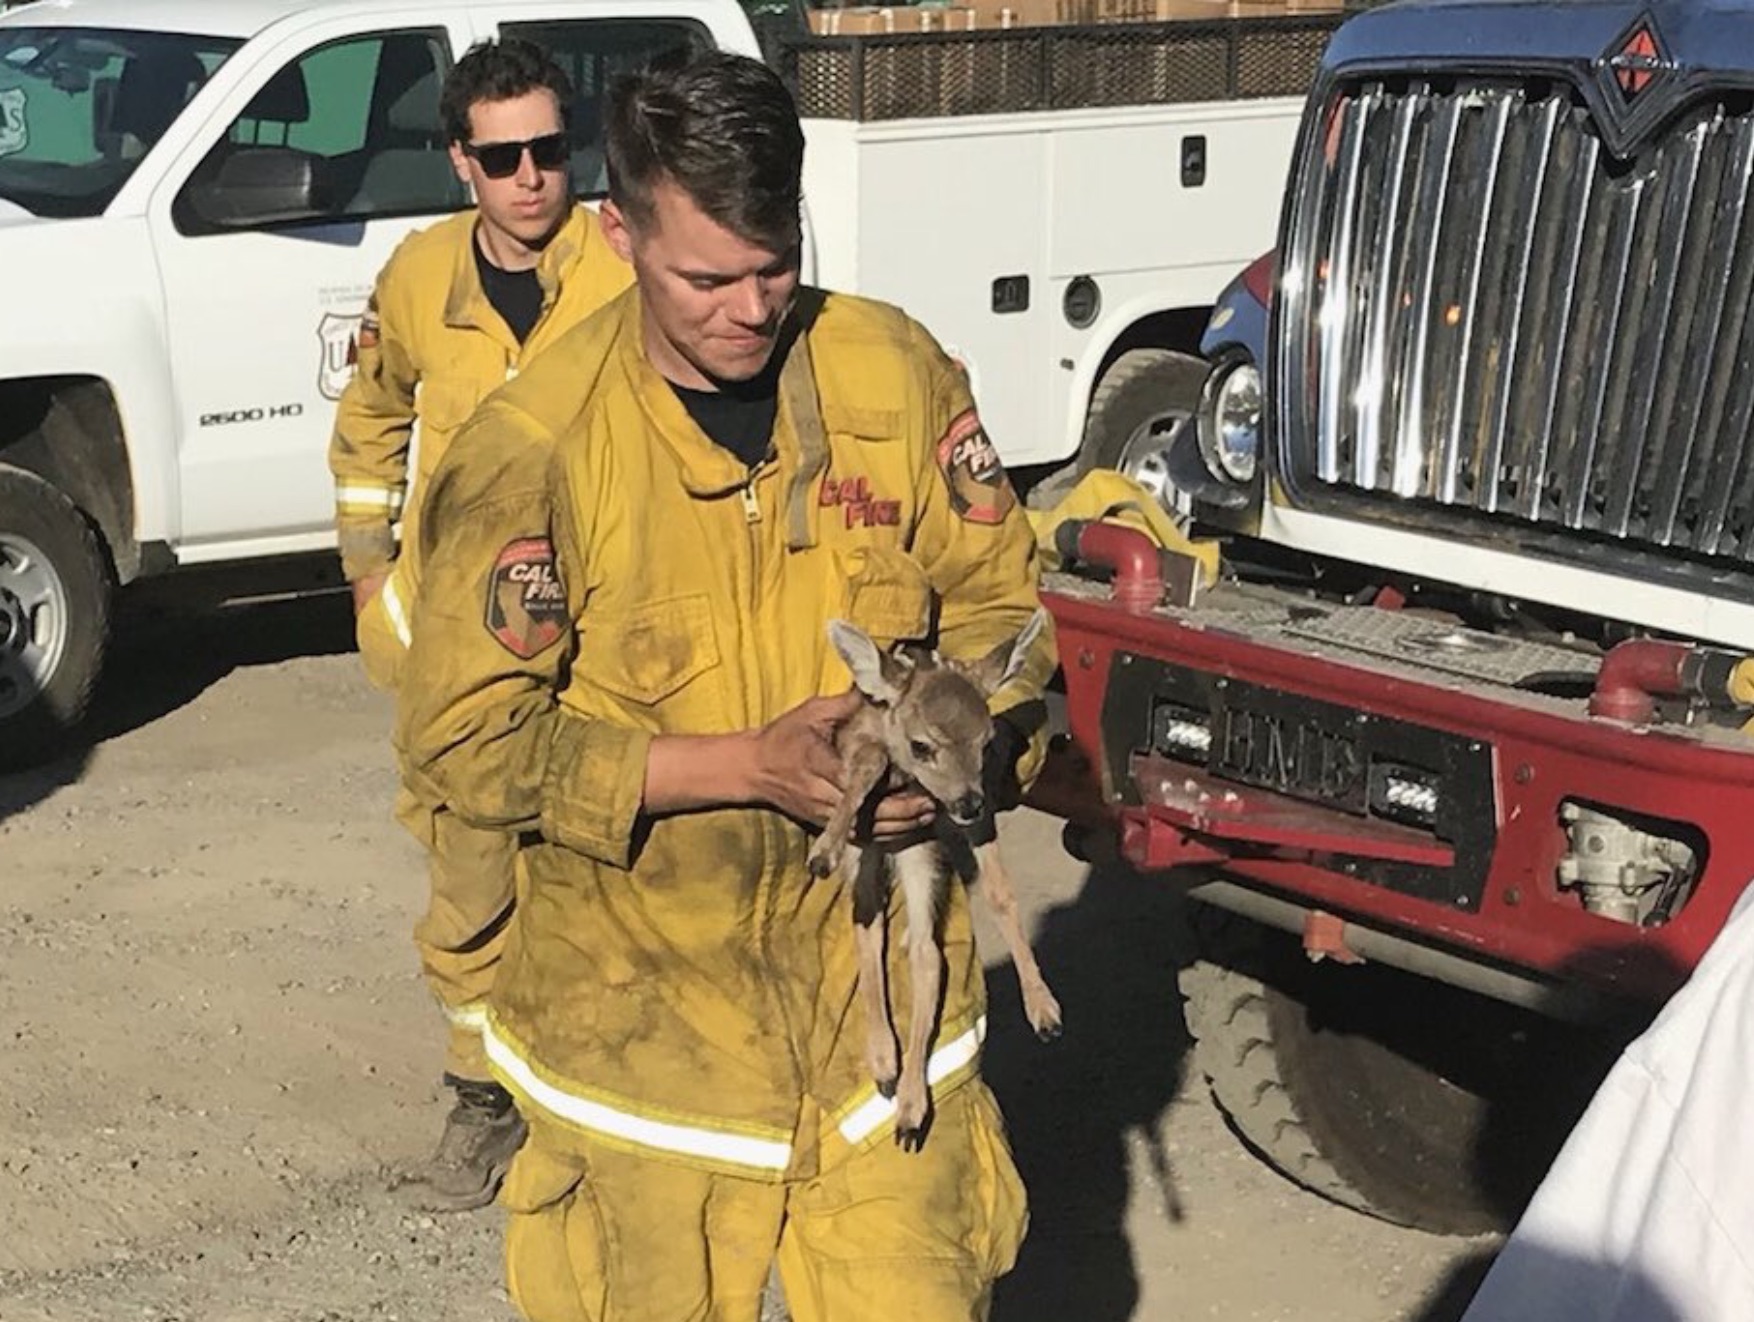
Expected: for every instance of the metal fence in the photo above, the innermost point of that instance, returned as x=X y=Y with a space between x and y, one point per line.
x=935 y=74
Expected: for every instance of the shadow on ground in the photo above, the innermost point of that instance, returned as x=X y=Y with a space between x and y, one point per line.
x=173 y=639
x=20 y=790
x=1458 y=1289
x=1078 y=1108
x=176 y=639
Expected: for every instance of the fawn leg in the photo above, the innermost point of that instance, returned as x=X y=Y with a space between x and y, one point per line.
x=865 y=766
x=1038 y=1002
x=920 y=871
x=870 y=911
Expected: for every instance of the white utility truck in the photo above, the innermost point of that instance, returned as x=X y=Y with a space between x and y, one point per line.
x=196 y=195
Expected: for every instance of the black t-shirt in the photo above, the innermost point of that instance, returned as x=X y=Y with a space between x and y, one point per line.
x=739 y=415
x=515 y=295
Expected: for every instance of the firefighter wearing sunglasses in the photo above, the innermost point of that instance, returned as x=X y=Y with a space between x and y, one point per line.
x=459 y=310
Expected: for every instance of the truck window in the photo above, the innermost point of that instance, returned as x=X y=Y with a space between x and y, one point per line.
x=348 y=131
x=81 y=107
x=594 y=52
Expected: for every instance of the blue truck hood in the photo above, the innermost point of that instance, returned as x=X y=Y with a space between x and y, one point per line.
x=1633 y=82
x=1705 y=35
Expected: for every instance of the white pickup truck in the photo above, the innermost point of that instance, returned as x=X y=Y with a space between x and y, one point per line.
x=195 y=197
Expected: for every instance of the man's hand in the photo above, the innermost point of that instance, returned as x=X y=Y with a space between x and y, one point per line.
x=902 y=813
x=364 y=589
x=793 y=763
x=797 y=770
x=790 y=764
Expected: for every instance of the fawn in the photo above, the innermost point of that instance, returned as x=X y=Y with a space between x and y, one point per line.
x=925 y=723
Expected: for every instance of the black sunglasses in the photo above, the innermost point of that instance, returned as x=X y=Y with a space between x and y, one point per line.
x=500 y=160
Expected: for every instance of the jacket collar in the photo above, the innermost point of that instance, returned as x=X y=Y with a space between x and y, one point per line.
x=466 y=305
x=709 y=470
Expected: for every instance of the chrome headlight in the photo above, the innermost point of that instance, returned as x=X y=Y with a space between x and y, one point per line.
x=1230 y=422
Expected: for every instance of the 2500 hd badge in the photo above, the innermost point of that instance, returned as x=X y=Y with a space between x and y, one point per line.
x=233 y=417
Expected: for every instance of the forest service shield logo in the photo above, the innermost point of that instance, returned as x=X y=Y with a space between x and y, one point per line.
x=339 y=337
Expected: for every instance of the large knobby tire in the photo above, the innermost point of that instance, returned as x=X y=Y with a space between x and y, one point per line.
x=1407 y=1100
x=1142 y=399
x=55 y=590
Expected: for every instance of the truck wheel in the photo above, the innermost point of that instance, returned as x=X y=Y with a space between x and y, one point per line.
x=54 y=616
x=1404 y=1099
x=1142 y=399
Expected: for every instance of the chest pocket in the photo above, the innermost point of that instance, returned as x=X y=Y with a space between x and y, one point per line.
x=867 y=493
x=443 y=406
x=867 y=424
x=884 y=591
x=648 y=655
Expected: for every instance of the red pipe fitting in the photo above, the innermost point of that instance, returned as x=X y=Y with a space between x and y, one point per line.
x=1129 y=554
x=1634 y=674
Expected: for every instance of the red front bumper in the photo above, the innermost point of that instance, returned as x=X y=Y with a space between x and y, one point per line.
x=1539 y=754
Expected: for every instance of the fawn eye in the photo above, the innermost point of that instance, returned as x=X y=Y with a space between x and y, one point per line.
x=922 y=750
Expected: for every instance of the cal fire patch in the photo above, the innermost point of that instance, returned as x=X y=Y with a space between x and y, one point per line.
x=526 y=603
x=979 y=490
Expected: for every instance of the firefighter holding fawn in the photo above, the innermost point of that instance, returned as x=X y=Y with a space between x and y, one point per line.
x=675 y=1011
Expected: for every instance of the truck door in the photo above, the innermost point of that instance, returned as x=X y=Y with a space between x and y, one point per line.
x=270 y=234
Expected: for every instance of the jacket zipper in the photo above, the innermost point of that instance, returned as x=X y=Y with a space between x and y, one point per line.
x=765 y=885
x=751 y=522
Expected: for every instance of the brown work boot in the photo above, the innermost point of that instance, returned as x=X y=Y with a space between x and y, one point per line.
x=482 y=1134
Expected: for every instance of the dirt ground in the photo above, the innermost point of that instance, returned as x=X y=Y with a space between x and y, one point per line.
x=218 y=1049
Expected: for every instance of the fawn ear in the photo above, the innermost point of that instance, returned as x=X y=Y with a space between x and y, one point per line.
x=1006 y=661
x=879 y=676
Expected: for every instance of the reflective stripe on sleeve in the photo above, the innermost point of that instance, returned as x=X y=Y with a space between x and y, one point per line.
x=354 y=497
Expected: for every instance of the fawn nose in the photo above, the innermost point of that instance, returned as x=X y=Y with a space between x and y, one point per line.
x=966 y=809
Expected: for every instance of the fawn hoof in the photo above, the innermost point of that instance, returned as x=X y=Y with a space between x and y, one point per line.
x=1043 y=1012
x=821 y=867
x=883 y=1063
x=910 y=1125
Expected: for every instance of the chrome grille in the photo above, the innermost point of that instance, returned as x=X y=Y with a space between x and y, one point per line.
x=1485 y=310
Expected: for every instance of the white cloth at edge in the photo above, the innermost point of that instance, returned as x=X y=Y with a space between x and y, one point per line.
x=1648 y=1214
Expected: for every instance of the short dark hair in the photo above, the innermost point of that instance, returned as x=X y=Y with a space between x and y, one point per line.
x=499 y=71
x=723 y=129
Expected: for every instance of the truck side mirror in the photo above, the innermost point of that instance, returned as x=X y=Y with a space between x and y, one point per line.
x=261 y=186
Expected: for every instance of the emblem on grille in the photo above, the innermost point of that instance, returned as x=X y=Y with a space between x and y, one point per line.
x=1637 y=61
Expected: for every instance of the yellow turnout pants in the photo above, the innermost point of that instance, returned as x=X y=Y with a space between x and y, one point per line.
x=472 y=873
x=462 y=933
x=885 y=1235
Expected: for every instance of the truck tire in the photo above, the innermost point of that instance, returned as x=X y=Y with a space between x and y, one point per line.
x=55 y=588
x=1412 y=1102
x=1142 y=398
